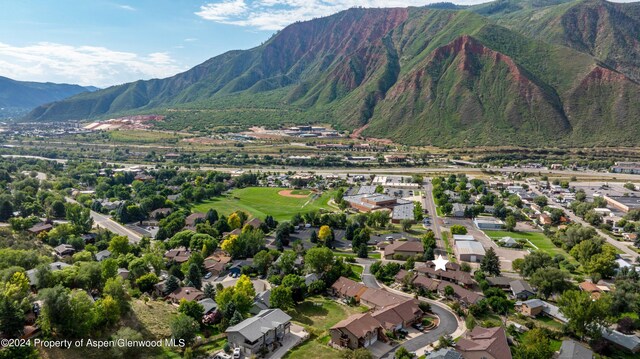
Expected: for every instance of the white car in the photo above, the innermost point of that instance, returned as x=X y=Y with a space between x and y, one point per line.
x=236 y=353
x=222 y=355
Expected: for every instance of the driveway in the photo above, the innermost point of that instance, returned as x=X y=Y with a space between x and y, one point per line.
x=294 y=338
x=379 y=349
x=367 y=278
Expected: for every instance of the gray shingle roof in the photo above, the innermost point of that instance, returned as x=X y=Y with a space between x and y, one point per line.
x=571 y=349
x=446 y=353
x=255 y=327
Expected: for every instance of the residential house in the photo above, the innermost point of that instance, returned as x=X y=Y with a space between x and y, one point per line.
x=310 y=278
x=193 y=219
x=32 y=274
x=458 y=210
x=509 y=242
x=102 y=255
x=591 y=288
x=463 y=295
x=236 y=266
x=347 y=289
x=40 y=227
x=124 y=273
x=425 y=283
x=626 y=342
x=378 y=298
x=209 y=305
x=535 y=307
x=632 y=237
x=261 y=302
x=521 y=289
x=570 y=349
x=261 y=332
x=452 y=274
x=444 y=353
x=403 y=249
x=89 y=237
x=357 y=331
x=187 y=293
x=400 y=315
x=178 y=255
x=405 y=276
x=160 y=213
x=487 y=343
x=64 y=250
x=500 y=282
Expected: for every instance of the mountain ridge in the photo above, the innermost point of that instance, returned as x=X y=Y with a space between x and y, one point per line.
x=415 y=75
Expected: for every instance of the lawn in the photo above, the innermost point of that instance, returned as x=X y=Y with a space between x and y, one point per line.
x=372 y=255
x=313 y=348
x=537 y=238
x=262 y=201
x=144 y=136
x=317 y=315
x=357 y=271
x=445 y=239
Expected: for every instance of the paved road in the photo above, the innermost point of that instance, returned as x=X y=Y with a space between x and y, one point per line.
x=383 y=170
x=367 y=278
x=429 y=205
x=103 y=221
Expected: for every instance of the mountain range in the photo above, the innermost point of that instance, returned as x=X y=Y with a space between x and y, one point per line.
x=510 y=72
x=20 y=97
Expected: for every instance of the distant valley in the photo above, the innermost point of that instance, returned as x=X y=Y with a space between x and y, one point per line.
x=17 y=98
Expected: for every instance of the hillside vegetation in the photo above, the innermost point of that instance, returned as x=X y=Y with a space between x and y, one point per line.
x=509 y=72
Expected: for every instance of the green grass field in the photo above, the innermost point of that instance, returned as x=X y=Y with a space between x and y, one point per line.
x=537 y=238
x=262 y=201
x=357 y=272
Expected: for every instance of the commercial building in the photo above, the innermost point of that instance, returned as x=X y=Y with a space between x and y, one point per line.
x=470 y=251
x=489 y=223
x=623 y=203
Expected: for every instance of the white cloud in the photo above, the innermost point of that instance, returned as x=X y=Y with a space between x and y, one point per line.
x=127 y=7
x=84 y=65
x=276 y=14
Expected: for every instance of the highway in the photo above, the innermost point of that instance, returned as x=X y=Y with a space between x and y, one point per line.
x=104 y=221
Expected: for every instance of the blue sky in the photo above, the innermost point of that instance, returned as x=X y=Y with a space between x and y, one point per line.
x=105 y=42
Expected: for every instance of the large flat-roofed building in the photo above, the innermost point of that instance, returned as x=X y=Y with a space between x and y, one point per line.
x=626 y=167
x=470 y=251
x=403 y=212
x=623 y=203
x=370 y=202
x=489 y=223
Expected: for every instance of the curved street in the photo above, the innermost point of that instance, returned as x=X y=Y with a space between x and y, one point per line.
x=449 y=323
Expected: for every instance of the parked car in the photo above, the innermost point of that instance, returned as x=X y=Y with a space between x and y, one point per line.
x=403 y=331
x=208 y=275
x=222 y=355
x=236 y=353
x=418 y=326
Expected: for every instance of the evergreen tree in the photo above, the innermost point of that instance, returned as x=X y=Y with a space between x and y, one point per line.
x=194 y=275
x=171 y=284
x=491 y=263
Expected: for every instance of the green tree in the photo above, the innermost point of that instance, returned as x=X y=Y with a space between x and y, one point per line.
x=405 y=224
x=510 y=223
x=171 y=284
x=586 y=316
x=458 y=229
x=11 y=317
x=534 y=345
x=281 y=297
x=195 y=276
x=119 y=245
x=127 y=334
x=490 y=263
x=191 y=308
x=146 y=282
x=184 y=327
x=318 y=260
x=532 y=262
x=549 y=281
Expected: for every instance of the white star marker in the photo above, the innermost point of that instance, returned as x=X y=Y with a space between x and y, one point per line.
x=440 y=263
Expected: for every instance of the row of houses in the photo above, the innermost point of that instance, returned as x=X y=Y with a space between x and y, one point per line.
x=390 y=312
